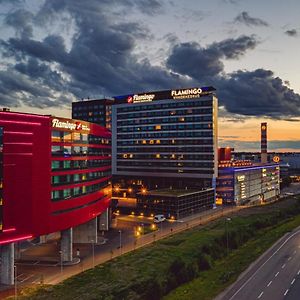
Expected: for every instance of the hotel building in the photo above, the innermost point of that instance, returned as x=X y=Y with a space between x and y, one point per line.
x=165 y=139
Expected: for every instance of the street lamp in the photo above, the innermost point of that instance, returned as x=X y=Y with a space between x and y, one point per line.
x=227 y=246
x=93 y=252
x=120 y=232
x=61 y=261
x=16 y=288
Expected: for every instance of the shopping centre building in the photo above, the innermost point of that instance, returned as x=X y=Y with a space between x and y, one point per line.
x=55 y=175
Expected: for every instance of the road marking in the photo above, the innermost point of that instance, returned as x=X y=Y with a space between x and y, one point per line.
x=293 y=281
x=250 y=278
x=289 y=258
x=276 y=274
x=269 y=283
x=26 y=278
x=260 y=295
x=286 y=292
x=298 y=272
x=295 y=251
x=282 y=267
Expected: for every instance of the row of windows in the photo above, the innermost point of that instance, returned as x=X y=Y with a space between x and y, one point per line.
x=187 y=142
x=159 y=106
x=174 y=134
x=166 y=164
x=79 y=164
x=172 y=171
x=68 y=151
x=87 y=107
x=164 y=118
x=77 y=191
x=77 y=137
x=77 y=178
x=165 y=156
x=166 y=127
x=170 y=120
x=88 y=113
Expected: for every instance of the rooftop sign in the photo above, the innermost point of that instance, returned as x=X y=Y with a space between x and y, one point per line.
x=69 y=124
x=189 y=93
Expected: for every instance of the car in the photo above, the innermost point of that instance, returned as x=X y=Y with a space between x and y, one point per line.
x=159 y=218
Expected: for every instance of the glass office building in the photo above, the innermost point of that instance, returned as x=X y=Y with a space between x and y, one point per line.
x=165 y=139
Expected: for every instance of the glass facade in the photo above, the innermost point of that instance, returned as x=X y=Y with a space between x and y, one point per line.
x=242 y=185
x=81 y=165
x=174 y=138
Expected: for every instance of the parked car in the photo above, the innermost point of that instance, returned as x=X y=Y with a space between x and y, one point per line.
x=159 y=218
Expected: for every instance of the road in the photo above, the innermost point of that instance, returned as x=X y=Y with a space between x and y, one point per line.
x=274 y=276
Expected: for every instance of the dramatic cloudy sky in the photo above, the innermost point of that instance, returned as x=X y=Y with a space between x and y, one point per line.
x=53 y=52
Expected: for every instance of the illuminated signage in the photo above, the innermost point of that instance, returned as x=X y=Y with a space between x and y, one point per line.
x=276 y=159
x=140 y=98
x=1 y=178
x=69 y=124
x=189 y=93
x=241 y=178
x=186 y=93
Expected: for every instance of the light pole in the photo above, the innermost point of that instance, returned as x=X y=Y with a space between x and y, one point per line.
x=226 y=228
x=16 y=287
x=120 y=232
x=93 y=252
x=61 y=261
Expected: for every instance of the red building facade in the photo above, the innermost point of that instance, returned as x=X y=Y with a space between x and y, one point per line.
x=55 y=174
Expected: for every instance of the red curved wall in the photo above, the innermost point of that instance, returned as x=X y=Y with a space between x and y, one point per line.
x=28 y=210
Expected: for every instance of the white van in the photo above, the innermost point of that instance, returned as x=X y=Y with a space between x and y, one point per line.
x=159 y=218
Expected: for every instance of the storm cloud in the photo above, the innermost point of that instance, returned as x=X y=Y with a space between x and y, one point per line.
x=291 y=32
x=100 y=58
x=245 y=18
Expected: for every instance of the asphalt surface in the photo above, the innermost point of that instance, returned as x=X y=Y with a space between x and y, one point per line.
x=274 y=276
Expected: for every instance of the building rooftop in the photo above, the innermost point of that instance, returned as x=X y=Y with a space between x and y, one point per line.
x=174 y=192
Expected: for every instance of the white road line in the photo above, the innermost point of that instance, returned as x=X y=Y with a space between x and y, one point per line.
x=283 y=266
x=26 y=278
x=295 y=251
x=269 y=283
x=276 y=274
x=293 y=281
x=260 y=295
x=298 y=272
x=250 y=278
x=289 y=258
x=286 y=292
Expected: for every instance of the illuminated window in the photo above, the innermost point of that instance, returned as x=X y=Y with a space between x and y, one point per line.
x=130 y=155
x=181 y=119
x=173 y=156
x=124 y=155
x=151 y=142
x=157 y=155
x=144 y=142
x=158 y=127
x=173 y=141
x=157 y=141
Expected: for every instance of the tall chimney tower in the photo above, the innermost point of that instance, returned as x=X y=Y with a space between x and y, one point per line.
x=263 y=143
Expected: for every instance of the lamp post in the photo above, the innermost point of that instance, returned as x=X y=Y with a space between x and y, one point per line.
x=61 y=261
x=93 y=252
x=226 y=228
x=120 y=245
x=16 y=287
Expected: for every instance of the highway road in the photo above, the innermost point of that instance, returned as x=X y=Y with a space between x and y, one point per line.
x=274 y=276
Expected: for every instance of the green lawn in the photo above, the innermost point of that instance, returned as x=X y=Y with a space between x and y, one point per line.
x=197 y=256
